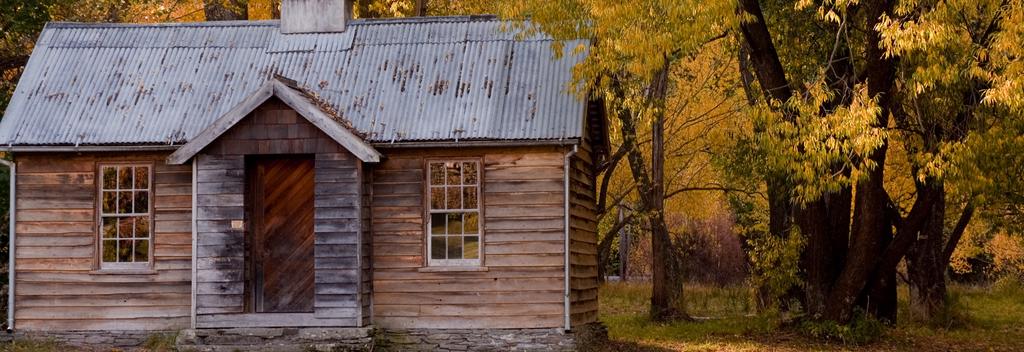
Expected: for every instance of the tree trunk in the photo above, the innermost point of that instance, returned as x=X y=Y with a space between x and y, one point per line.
x=825 y=224
x=364 y=10
x=667 y=273
x=226 y=10
x=880 y=300
x=275 y=9
x=667 y=270
x=926 y=266
x=873 y=223
x=871 y=228
x=624 y=239
x=421 y=8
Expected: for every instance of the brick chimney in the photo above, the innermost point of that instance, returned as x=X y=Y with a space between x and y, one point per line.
x=315 y=16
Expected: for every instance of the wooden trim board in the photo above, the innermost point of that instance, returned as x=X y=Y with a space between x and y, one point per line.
x=305 y=108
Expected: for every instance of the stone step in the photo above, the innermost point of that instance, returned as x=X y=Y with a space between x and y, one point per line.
x=326 y=347
x=276 y=339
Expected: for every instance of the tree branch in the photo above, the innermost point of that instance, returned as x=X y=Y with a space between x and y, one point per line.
x=958 y=231
x=708 y=188
x=602 y=198
x=604 y=248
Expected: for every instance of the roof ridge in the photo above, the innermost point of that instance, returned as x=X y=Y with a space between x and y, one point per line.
x=272 y=23
x=63 y=24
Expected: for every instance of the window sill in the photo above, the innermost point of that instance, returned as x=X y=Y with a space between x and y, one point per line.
x=123 y=272
x=452 y=269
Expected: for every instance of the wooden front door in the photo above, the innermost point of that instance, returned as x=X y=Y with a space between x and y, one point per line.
x=281 y=194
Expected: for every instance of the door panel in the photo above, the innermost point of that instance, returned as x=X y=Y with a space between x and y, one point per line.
x=282 y=246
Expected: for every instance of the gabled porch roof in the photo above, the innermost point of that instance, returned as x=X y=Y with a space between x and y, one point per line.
x=303 y=103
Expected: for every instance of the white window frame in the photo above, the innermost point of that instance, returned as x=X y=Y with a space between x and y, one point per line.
x=100 y=215
x=478 y=210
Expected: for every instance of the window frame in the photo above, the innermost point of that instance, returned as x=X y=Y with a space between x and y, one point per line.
x=428 y=211
x=98 y=208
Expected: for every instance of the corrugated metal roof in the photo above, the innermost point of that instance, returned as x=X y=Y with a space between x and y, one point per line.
x=423 y=79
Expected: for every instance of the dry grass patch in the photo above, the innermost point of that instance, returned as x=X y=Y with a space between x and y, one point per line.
x=992 y=321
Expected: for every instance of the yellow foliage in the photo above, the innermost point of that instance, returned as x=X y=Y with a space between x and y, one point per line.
x=1007 y=253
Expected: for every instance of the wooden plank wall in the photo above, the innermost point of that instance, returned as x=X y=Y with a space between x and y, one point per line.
x=337 y=231
x=583 y=237
x=57 y=285
x=523 y=244
x=366 y=256
x=274 y=128
x=220 y=249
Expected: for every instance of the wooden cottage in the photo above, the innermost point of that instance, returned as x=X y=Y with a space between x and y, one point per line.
x=426 y=173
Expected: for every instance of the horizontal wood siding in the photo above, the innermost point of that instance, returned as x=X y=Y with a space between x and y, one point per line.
x=337 y=231
x=220 y=249
x=366 y=248
x=271 y=129
x=523 y=249
x=583 y=237
x=58 y=287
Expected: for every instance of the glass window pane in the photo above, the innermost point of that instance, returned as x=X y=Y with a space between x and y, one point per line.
x=469 y=197
x=124 y=251
x=125 y=227
x=472 y=224
x=455 y=247
x=454 y=198
x=109 y=227
x=124 y=177
x=109 y=251
x=109 y=177
x=142 y=227
x=109 y=202
x=437 y=224
x=437 y=198
x=455 y=224
x=141 y=177
x=141 y=202
x=124 y=202
x=469 y=173
x=437 y=174
x=471 y=247
x=454 y=174
x=437 y=247
x=142 y=251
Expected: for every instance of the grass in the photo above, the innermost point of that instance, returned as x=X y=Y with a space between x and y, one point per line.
x=154 y=343
x=987 y=319
x=31 y=346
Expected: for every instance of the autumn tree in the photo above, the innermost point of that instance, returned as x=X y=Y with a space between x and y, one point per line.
x=635 y=48
x=917 y=74
x=961 y=83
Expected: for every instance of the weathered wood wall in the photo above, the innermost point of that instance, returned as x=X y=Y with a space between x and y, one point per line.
x=58 y=286
x=583 y=237
x=366 y=256
x=369 y=261
x=523 y=239
x=274 y=128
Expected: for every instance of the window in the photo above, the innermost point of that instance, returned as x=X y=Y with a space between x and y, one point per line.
x=454 y=222
x=125 y=217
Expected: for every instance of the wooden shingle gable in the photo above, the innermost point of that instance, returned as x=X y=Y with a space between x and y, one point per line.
x=295 y=99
